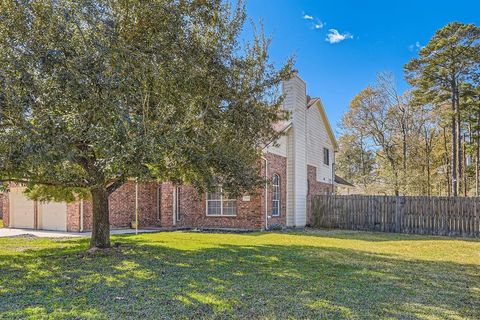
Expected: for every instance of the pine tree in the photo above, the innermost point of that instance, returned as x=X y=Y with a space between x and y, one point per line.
x=450 y=58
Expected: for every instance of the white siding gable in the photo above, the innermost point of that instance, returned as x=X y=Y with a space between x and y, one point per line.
x=317 y=139
x=280 y=147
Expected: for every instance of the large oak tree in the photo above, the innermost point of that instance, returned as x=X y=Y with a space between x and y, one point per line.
x=94 y=92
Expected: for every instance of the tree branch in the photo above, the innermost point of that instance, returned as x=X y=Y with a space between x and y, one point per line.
x=48 y=183
x=114 y=185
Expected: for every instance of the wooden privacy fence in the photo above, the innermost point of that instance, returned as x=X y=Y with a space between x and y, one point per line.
x=450 y=216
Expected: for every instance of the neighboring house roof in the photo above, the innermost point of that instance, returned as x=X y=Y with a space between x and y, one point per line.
x=282 y=126
x=319 y=104
x=311 y=101
x=340 y=180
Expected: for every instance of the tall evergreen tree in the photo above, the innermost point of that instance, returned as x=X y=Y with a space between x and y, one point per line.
x=470 y=104
x=450 y=58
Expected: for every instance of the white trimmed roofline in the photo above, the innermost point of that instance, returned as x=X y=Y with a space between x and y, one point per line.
x=319 y=103
x=282 y=131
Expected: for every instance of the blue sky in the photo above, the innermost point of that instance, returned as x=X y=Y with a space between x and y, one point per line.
x=377 y=36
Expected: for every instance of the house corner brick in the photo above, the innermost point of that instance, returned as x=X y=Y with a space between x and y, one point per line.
x=315 y=188
x=4 y=203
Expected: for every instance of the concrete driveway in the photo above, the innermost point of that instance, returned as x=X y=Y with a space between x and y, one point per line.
x=9 y=232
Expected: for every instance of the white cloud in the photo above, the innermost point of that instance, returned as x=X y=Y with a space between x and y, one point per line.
x=415 y=47
x=314 y=23
x=334 y=36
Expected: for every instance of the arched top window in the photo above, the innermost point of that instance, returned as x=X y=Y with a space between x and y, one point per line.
x=275 y=195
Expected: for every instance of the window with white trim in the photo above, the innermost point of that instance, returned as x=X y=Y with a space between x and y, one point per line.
x=177 y=204
x=159 y=202
x=275 y=195
x=219 y=204
x=326 y=156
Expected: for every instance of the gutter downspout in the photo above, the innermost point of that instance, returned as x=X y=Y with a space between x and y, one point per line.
x=81 y=215
x=136 y=207
x=266 y=192
x=174 y=206
x=333 y=173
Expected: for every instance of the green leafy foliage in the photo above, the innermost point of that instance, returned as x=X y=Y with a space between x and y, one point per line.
x=53 y=193
x=94 y=92
x=451 y=57
x=425 y=142
x=446 y=66
x=355 y=161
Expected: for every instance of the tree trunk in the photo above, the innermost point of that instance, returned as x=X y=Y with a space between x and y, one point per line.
x=364 y=165
x=454 y=157
x=477 y=158
x=395 y=176
x=460 y=152
x=464 y=161
x=427 y=159
x=454 y=143
x=404 y=152
x=447 y=163
x=101 y=224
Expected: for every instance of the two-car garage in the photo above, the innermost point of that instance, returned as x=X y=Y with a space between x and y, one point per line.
x=19 y=212
x=29 y=214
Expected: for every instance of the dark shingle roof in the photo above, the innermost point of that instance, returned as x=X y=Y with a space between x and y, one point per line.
x=342 y=181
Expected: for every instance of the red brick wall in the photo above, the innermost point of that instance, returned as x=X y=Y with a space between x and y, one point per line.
x=166 y=205
x=250 y=214
x=315 y=188
x=122 y=208
x=5 y=205
x=87 y=215
x=193 y=212
x=73 y=216
x=1 y=204
x=122 y=205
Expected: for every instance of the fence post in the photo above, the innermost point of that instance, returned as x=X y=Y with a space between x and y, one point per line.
x=397 y=214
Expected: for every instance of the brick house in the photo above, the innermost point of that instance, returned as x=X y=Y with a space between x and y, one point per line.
x=1 y=206
x=299 y=165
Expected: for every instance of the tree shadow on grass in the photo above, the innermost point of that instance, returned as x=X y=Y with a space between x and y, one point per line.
x=153 y=280
x=372 y=236
x=376 y=236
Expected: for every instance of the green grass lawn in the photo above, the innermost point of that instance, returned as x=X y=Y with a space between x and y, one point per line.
x=258 y=275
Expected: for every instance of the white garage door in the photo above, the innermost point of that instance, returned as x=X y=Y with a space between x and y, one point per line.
x=52 y=216
x=21 y=209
